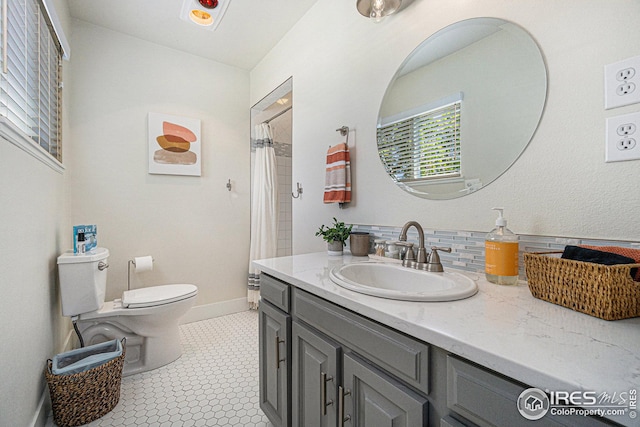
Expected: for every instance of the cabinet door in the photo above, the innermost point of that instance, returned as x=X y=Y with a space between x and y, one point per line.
x=314 y=372
x=371 y=398
x=275 y=354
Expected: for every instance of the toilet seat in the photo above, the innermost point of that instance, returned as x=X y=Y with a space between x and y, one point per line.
x=157 y=295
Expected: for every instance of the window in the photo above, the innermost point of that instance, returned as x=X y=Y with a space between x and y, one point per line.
x=423 y=146
x=30 y=95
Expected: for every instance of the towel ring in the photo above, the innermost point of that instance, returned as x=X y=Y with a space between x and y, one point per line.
x=344 y=131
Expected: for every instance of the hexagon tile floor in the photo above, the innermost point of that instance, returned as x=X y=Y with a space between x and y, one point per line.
x=213 y=383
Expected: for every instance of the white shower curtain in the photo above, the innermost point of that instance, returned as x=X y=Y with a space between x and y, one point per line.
x=264 y=209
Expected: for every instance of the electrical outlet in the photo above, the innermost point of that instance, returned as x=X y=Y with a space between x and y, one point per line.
x=625 y=74
x=621 y=81
x=622 y=136
x=625 y=89
x=626 y=129
x=625 y=144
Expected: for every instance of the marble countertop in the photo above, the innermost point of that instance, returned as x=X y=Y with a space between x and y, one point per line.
x=503 y=328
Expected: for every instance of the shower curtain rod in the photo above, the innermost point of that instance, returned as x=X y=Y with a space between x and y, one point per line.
x=279 y=114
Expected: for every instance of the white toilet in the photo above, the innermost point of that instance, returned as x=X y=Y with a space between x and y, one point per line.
x=147 y=317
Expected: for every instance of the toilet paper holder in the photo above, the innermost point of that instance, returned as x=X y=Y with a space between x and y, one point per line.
x=132 y=261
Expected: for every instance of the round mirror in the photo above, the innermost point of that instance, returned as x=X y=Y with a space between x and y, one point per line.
x=462 y=108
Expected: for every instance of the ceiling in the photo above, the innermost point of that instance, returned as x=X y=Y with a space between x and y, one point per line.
x=249 y=29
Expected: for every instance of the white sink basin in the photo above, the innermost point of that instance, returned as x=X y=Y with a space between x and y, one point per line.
x=396 y=282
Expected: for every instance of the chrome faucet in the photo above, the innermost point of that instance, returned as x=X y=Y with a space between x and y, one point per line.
x=420 y=261
x=421 y=256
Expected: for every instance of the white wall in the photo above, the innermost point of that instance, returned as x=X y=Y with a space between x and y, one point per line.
x=342 y=63
x=196 y=230
x=32 y=234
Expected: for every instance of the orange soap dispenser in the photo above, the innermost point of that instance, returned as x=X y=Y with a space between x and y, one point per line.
x=501 y=253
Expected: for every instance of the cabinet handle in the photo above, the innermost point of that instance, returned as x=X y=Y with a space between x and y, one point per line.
x=278 y=360
x=341 y=394
x=323 y=392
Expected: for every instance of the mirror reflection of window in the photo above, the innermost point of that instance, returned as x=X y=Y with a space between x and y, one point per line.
x=422 y=144
x=500 y=69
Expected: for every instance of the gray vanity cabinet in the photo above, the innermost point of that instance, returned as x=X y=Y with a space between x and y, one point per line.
x=275 y=356
x=315 y=377
x=322 y=365
x=339 y=364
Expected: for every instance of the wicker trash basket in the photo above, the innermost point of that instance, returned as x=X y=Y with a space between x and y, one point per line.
x=82 y=397
x=604 y=291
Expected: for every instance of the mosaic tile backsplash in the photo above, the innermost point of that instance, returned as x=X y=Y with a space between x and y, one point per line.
x=467 y=247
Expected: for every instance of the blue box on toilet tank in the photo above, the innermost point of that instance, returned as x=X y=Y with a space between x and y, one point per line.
x=85 y=238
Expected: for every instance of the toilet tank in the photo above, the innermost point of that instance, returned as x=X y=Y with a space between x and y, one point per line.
x=82 y=281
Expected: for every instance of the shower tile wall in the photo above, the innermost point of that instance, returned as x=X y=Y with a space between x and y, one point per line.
x=284 y=193
x=282 y=142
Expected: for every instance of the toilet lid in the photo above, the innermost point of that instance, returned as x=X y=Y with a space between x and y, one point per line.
x=157 y=295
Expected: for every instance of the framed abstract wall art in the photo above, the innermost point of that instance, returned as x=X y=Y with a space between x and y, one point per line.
x=174 y=145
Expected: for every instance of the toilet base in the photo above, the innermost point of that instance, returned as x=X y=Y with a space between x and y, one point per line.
x=152 y=333
x=142 y=353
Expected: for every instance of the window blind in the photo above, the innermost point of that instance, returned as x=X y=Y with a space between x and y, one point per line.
x=422 y=147
x=30 y=82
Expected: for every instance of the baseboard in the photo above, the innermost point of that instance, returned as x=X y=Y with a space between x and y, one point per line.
x=42 y=411
x=216 y=309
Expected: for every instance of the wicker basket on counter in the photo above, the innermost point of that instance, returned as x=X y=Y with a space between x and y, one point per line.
x=604 y=291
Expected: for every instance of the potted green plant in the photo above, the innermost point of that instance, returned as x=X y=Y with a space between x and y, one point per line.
x=335 y=236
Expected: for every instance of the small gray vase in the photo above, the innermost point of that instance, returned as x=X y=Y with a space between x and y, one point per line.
x=335 y=248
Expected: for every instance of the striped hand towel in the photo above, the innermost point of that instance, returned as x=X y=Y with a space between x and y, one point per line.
x=628 y=252
x=337 y=186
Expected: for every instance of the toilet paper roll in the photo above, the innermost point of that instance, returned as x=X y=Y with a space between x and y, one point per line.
x=143 y=263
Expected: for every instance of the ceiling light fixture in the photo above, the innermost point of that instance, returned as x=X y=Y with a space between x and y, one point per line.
x=205 y=13
x=377 y=9
x=209 y=4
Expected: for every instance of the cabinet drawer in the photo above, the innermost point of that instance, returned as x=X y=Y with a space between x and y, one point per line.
x=404 y=357
x=275 y=291
x=488 y=399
